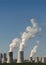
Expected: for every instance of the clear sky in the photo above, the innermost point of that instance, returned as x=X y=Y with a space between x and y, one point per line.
x=15 y=16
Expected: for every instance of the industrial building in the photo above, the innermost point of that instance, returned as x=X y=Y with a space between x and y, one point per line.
x=8 y=58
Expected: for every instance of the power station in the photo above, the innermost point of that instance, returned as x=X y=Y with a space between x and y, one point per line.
x=8 y=58
x=29 y=33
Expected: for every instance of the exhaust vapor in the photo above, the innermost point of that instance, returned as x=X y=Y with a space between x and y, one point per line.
x=13 y=44
x=34 y=50
x=29 y=33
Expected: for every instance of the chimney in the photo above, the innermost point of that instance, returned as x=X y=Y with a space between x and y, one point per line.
x=20 y=57
x=10 y=57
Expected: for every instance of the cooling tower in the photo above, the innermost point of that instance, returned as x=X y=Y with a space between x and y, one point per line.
x=31 y=59
x=43 y=59
x=4 y=59
x=10 y=57
x=1 y=57
x=36 y=59
x=20 y=57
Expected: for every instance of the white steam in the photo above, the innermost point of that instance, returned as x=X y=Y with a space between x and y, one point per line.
x=13 y=44
x=30 y=32
x=34 y=50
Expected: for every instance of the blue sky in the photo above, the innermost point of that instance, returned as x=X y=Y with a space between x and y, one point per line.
x=15 y=16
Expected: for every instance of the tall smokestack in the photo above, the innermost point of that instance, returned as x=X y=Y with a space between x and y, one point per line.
x=10 y=57
x=20 y=57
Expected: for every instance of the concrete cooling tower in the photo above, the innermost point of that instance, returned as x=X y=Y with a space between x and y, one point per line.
x=43 y=59
x=31 y=59
x=20 y=57
x=10 y=57
x=1 y=57
x=36 y=59
x=4 y=59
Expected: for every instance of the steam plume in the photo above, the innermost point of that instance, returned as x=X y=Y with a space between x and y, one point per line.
x=30 y=32
x=13 y=44
x=34 y=50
